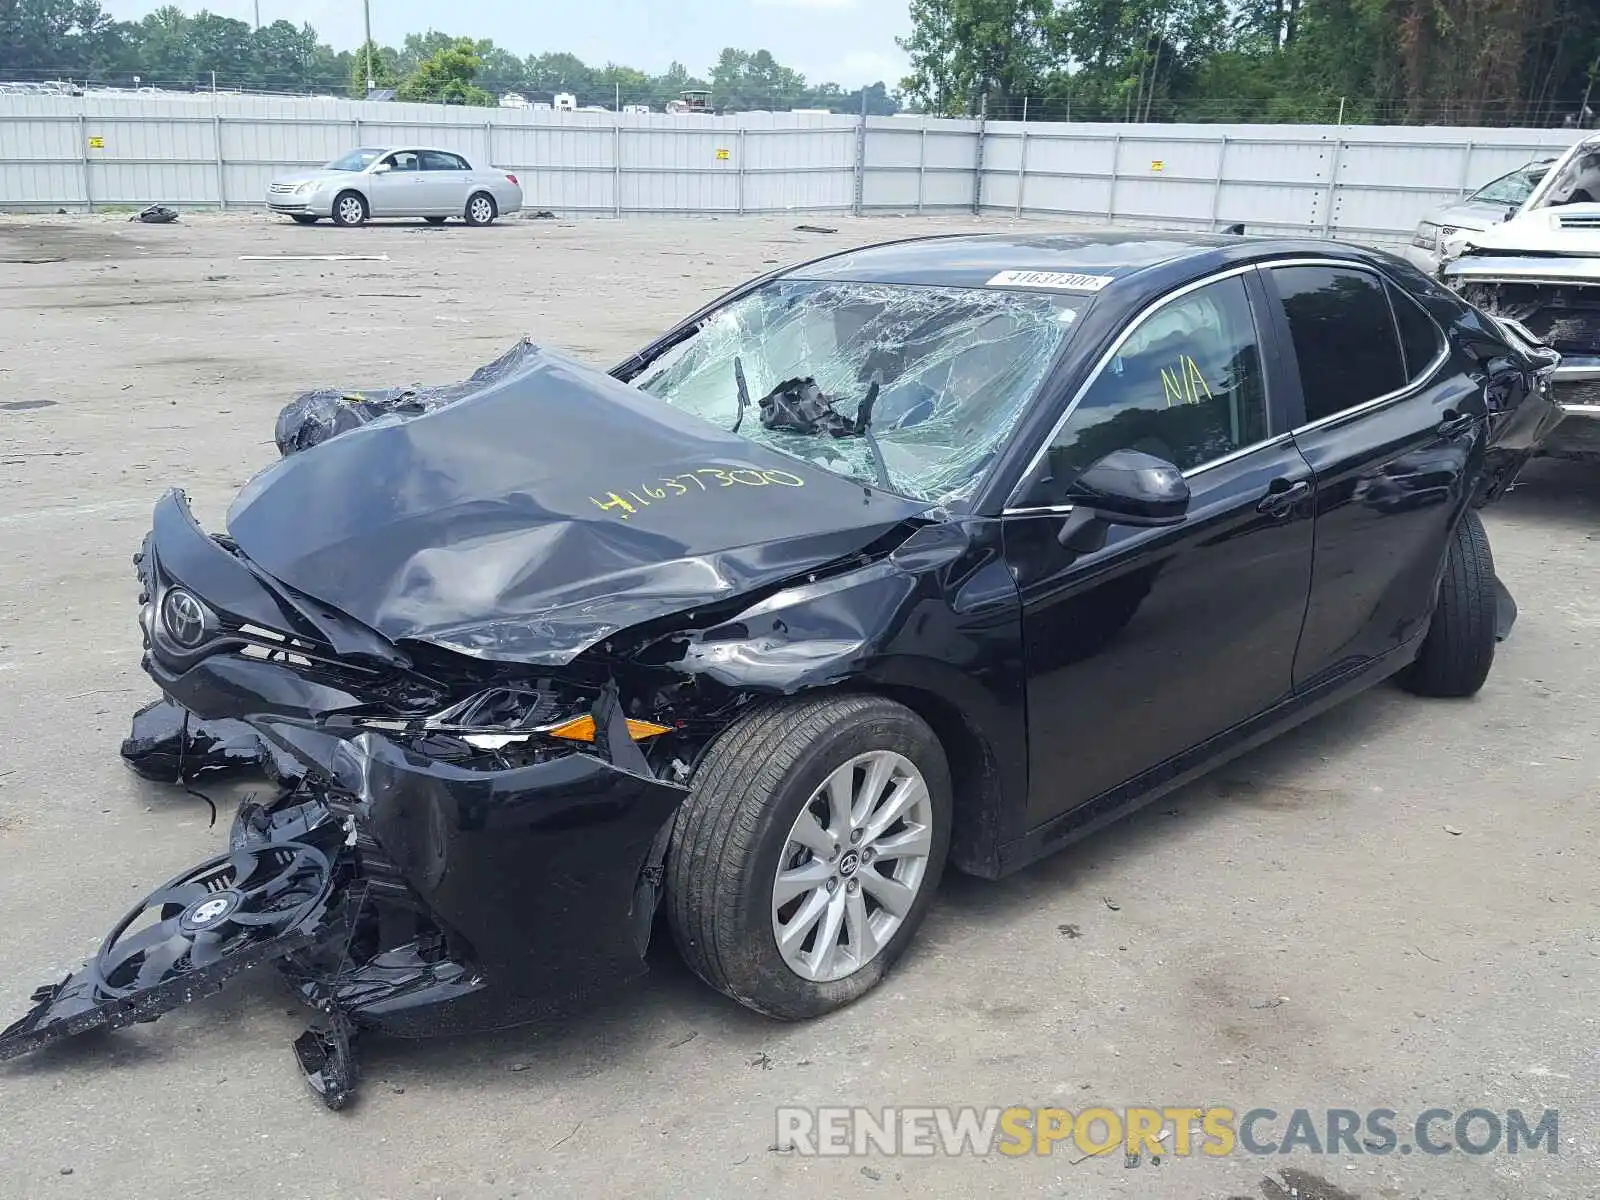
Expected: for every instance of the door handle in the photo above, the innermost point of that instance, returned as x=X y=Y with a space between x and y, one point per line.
x=1455 y=422
x=1282 y=496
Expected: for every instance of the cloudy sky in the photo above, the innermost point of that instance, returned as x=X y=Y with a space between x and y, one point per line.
x=850 y=42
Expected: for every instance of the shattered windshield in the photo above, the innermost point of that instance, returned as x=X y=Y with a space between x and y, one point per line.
x=1513 y=188
x=953 y=368
x=356 y=160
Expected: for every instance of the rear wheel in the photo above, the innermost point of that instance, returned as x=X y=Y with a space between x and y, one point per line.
x=808 y=852
x=303 y=218
x=349 y=208
x=1459 y=648
x=480 y=209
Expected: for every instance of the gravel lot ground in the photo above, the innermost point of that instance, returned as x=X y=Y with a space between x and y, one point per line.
x=1299 y=931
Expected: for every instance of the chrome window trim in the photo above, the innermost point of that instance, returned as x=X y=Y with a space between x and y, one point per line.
x=1274 y=440
x=1411 y=385
x=1039 y=510
x=1143 y=315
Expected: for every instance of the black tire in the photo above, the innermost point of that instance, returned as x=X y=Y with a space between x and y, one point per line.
x=434 y=220
x=1459 y=647
x=348 y=214
x=728 y=836
x=481 y=209
x=303 y=218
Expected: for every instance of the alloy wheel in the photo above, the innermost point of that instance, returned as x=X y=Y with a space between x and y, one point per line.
x=852 y=866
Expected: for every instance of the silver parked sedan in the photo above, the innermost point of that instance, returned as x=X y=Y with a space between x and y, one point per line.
x=390 y=181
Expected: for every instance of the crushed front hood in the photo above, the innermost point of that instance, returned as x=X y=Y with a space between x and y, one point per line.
x=1566 y=230
x=538 y=515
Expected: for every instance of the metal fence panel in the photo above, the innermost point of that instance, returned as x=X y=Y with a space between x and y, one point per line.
x=919 y=164
x=1365 y=183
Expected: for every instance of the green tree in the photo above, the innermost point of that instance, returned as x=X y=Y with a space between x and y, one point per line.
x=285 y=57
x=446 y=77
x=1137 y=57
x=38 y=37
x=971 y=53
x=219 y=44
x=613 y=81
x=420 y=46
x=879 y=102
x=548 y=74
x=1465 y=61
x=502 y=71
x=384 y=64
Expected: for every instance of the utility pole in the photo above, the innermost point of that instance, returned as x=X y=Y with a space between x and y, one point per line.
x=618 y=108
x=366 y=13
x=258 y=15
x=1583 y=107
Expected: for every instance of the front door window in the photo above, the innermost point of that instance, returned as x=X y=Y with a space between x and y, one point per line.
x=1185 y=386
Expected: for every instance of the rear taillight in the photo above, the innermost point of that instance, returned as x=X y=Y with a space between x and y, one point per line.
x=513 y=179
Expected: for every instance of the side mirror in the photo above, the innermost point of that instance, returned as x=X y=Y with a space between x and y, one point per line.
x=1126 y=487
x=382 y=167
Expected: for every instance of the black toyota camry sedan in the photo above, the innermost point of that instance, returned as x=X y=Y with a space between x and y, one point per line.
x=938 y=552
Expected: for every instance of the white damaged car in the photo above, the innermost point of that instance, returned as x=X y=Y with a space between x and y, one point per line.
x=1541 y=269
x=1496 y=201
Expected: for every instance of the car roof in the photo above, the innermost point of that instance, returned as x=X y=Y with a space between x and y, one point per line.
x=396 y=146
x=1104 y=256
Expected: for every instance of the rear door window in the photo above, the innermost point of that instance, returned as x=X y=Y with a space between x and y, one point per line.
x=438 y=160
x=1344 y=337
x=1420 y=338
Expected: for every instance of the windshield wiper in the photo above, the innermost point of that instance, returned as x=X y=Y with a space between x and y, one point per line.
x=800 y=406
x=744 y=391
x=864 y=429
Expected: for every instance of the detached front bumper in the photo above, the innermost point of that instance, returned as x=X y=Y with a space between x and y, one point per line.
x=398 y=893
x=541 y=881
x=441 y=897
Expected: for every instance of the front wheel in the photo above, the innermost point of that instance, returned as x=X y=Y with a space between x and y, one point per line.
x=349 y=209
x=1458 y=650
x=808 y=852
x=480 y=209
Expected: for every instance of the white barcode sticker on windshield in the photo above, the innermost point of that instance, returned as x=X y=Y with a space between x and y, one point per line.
x=1061 y=281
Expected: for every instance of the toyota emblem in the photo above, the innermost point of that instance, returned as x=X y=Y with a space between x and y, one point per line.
x=184 y=618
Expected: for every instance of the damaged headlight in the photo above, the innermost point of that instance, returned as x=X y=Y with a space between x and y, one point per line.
x=498 y=717
x=1427 y=236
